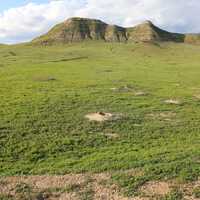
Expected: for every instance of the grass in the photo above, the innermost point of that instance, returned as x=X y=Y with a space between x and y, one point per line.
x=175 y=194
x=5 y=197
x=45 y=93
x=196 y=192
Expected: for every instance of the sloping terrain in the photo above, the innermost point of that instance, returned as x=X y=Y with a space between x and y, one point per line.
x=81 y=29
x=147 y=95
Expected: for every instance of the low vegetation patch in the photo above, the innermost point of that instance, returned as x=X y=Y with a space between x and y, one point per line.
x=166 y=116
x=196 y=192
x=129 y=89
x=175 y=194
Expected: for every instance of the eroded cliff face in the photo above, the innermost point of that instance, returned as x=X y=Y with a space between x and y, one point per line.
x=148 y=32
x=83 y=29
x=80 y=29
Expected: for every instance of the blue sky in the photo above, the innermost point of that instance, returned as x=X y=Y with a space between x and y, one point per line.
x=23 y=20
x=15 y=3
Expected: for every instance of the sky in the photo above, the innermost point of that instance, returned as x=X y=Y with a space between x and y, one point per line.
x=23 y=20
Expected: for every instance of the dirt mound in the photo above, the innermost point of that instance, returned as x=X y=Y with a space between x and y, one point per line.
x=102 y=116
x=173 y=101
x=140 y=93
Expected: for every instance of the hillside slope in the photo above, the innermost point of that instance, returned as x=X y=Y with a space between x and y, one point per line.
x=152 y=93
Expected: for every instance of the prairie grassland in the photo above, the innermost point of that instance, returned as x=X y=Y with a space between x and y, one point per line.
x=45 y=93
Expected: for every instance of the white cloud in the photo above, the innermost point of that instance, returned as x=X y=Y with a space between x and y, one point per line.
x=179 y=15
x=24 y=23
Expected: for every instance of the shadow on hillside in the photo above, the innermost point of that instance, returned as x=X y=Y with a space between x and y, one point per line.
x=70 y=59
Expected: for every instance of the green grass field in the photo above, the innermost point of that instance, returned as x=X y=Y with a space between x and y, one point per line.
x=45 y=92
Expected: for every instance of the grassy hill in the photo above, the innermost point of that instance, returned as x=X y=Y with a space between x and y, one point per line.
x=45 y=93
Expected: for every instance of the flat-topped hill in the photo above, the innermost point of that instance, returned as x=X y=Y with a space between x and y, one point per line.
x=79 y=29
x=82 y=29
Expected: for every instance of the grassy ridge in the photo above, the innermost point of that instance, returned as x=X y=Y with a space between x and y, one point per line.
x=46 y=91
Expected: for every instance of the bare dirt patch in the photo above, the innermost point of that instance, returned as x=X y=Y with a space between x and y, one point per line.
x=140 y=93
x=190 y=198
x=172 y=101
x=153 y=189
x=102 y=116
x=86 y=186
x=45 y=182
x=110 y=193
x=67 y=196
x=156 y=188
x=197 y=96
x=67 y=187
x=177 y=84
x=189 y=190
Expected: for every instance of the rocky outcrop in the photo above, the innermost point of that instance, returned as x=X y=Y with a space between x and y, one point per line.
x=148 y=32
x=80 y=29
x=84 y=29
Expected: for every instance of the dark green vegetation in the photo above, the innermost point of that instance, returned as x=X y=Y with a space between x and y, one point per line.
x=45 y=92
x=83 y=29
